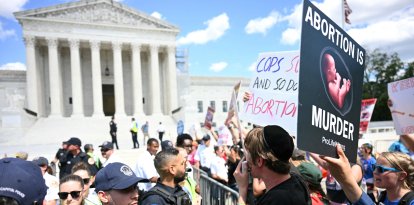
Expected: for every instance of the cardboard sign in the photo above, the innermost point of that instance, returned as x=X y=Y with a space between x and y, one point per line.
x=401 y=98
x=330 y=89
x=208 y=123
x=367 y=108
x=274 y=91
x=232 y=107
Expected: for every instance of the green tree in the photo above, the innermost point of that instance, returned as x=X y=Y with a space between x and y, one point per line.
x=381 y=69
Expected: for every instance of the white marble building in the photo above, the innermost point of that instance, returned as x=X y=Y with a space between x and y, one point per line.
x=98 y=57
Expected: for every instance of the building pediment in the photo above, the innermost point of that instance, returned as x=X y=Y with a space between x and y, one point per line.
x=98 y=12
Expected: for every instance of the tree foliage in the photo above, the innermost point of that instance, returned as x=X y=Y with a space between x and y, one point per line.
x=381 y=69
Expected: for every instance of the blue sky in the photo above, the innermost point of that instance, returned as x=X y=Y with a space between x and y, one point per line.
x=224 y=38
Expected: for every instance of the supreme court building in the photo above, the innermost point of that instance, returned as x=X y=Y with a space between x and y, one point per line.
x=95 y=58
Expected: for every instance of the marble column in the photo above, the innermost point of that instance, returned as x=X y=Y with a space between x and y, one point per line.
x=172 y=79
x=76 y=75
x=118 y=79
x=32 y=82
x=155 y=80
x=96 y=79
x=55 y=83
x=137 y=80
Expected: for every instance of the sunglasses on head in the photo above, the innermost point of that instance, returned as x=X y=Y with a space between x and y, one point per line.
x=73 y=194
x=381 y=169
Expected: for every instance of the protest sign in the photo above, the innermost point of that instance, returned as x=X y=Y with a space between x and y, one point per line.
x=401 y=98
x=274 y=91
x=330 y=89
x=233 y=105
x=224 y=136
x=367 y=108
x=208 y=123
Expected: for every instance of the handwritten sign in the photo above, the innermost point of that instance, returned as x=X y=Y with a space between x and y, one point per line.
x=401 y=98
x=367 y=108
x=274 y=89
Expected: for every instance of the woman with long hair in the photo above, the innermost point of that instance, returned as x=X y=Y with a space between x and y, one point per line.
x=71 y=190
x=394 y=172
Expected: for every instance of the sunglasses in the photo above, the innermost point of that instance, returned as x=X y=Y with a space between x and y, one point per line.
x=104 y=150
x=86 y=180
x=73 y=194
x=381 y=169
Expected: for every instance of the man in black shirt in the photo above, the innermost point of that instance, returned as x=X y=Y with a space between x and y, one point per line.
x=171 y=167
x=74 y=156
x=268 y=151
x=60 y=155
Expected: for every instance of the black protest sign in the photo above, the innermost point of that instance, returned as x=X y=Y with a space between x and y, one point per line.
x=331 y=74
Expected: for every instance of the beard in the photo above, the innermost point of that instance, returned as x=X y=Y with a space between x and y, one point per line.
x=179 y=178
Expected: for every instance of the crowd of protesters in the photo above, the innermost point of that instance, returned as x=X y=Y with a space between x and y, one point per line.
x=261 y=164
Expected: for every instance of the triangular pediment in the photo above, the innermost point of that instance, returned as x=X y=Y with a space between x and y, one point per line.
x=104 y=12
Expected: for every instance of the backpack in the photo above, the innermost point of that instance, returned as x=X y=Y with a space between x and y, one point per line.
x=405 y=200
x=177 y=198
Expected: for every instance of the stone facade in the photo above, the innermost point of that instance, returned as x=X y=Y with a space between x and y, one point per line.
x=96 y=57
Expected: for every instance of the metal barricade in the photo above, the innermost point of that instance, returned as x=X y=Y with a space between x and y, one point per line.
x=213 y=192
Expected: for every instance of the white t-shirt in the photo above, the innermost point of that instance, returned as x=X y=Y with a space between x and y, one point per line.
x=52 y=183
x=204 y=155
x=145 y=169
x=113 y=158
x=219 y=168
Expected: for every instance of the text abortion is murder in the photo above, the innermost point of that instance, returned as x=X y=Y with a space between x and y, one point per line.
x=333 y=34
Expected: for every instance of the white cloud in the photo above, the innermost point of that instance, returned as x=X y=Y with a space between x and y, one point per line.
x=157 y=15
x=8 y=7
x=384 y=24
x=262 y=25
x=216 y=28
x=5 y=33
x=13 y=66
x=217 y=67
x=290 y=36
x=395 y=34
x=373 y=11
x=252 y=67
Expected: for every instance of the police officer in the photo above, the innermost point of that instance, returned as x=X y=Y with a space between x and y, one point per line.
x=75 y=155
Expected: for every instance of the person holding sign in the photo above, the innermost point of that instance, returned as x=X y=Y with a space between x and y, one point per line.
x=268 y=151
x=334 y=191
x=336 y=91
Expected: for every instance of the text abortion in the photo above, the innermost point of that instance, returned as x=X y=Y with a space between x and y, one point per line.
x=274 y=91
x=333 y=34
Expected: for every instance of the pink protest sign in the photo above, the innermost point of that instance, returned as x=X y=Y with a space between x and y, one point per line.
x=367 y=108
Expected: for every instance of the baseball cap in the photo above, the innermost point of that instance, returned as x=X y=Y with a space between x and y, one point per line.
x=40 y=161
x=166 y=144
x=107 y=145
x=74 y=141
x=206 y=137
x=278 y=141
x=298 y=154
x=310 y=173
x=21 y=180
x=116 y=176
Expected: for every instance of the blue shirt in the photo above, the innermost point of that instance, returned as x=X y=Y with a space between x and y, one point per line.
x=367 y=165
